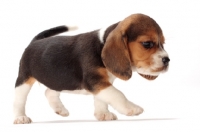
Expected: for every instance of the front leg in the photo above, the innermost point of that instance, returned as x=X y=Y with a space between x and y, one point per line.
x=101 y=111
x=118 y=101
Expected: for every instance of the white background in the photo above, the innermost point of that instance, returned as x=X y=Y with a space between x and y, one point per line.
x=171 y=102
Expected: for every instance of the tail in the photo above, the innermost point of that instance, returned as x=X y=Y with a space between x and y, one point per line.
x=53 y=31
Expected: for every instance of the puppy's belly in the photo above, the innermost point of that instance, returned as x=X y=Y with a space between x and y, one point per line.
x=82 y=91
x=59 y=79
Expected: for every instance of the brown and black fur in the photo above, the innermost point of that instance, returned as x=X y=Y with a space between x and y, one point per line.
x=88 y=63
x=82 y=61
x=64 y=62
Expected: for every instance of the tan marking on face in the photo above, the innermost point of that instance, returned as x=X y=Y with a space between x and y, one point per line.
x=140 y=56
x=103 y=82
x=115 y=54
x=30 y=81
x=127 y=37
x=140 y=28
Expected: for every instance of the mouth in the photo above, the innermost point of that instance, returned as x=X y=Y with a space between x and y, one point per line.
x=148 y=77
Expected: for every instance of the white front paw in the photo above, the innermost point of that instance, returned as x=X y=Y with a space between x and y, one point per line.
x=22 y=120
x=105 y=116
x=133 y=109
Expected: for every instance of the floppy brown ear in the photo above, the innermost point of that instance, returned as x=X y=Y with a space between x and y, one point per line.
x=115 y=55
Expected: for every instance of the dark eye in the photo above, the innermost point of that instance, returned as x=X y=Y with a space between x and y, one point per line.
x=148 y=44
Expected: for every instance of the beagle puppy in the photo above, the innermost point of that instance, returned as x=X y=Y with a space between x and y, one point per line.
x=88 y=63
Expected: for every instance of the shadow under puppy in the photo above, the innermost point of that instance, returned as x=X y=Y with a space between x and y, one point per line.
x=88 y=63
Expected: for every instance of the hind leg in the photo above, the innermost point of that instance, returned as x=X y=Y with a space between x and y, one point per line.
x=21 y=93
x=53 y=98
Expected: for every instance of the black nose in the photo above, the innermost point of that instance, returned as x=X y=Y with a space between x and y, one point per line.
x=165 y=61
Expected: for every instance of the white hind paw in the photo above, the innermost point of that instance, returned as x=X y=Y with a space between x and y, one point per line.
x=61 y=111
x=22 y=120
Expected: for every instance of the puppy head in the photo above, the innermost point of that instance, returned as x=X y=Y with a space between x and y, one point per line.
x=136 y=43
